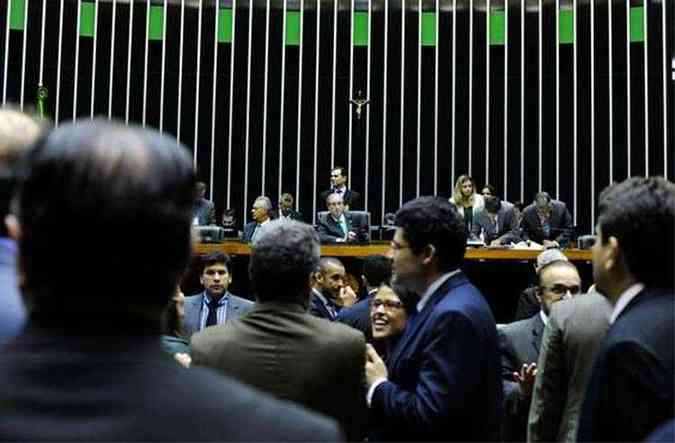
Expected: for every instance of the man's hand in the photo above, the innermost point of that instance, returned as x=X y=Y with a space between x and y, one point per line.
x=183 y=358
x=351 y=236
x=347 y=296
x=496 y=242
x=375 y=367
x=550 y=244
x=525 y=378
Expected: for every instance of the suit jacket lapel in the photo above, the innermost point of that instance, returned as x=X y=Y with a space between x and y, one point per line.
x=193 y=313
x=537 y=332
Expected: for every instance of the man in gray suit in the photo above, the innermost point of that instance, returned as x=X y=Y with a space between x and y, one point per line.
x=497 y=221
x=519 y=345
x=571 y=338
x=216 y=304
x=281 y=349
x=203 y=211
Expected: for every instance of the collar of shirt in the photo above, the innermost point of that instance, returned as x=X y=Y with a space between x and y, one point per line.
x=341 y=190
x=222 y=302
x=543 y=316
x=624 y=299
x=324 y=300
x=263 y=223
x=340 y=219
x=433 y=287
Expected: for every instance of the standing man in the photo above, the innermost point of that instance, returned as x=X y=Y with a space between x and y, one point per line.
x=330 y=293
x=203 y=212
x=17 y=132
x=341 y=226
x=443 y=377
x=89 y=366
x=630 y=392
x=260 y=212
x=215 y=305
x=338 y=185
x=281 y=349
x=519 y=342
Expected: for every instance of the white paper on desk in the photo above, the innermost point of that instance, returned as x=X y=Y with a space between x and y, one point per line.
x=532 y=246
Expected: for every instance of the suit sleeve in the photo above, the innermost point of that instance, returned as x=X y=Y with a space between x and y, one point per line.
x=449 y=374
x=567 y=226
x=525 y=226
x=516 y=406
x=550 y=387
x=324 y=233
x=211 y=214
x=511 y=234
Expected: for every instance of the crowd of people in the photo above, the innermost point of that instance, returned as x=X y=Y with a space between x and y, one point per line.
x=103 y=345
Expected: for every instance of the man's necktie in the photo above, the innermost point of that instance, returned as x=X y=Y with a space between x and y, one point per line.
x=343 y=227
x=212 y=317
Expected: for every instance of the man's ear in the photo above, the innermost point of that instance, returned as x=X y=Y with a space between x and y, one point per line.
x=13 y=226
x=613 y=251
x=428 y=254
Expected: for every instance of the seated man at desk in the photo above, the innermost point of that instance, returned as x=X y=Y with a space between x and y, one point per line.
x=340 y=226
x=497 y=222
x=547 y=222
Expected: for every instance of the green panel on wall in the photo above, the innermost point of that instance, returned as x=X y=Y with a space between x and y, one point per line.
x=428 y=29
x=360 y=29
x=293 y=28
x=225 y=25
x=637 y=24
x=17 y=12
x=497 y=27
x=87 y=17
x=566 y=26
x=156 y=23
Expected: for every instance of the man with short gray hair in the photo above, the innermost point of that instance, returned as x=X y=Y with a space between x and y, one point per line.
x=260 y=212
x=281 y=349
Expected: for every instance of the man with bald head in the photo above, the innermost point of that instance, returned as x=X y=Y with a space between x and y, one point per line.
x=95 y=189
x=330 y=293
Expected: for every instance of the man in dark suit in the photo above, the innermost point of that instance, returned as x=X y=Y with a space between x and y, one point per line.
x=261 y=214
x=340 y=226
x=338 y=185
x=203 y=211
x=286 y=210
x=215 y=305
x=17 y=132
x=631 y=387
x=376 y=270
x=442 y=380
x=519 y=344
x=547 y=222
x=89 y=366
x=329 y=291
x=571 y=339
x=281 y=349
x=497 y=222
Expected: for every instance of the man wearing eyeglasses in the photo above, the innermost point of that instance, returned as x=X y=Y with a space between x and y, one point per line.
x=519 y=344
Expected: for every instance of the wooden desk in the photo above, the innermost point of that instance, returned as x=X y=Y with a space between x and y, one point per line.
x=238 y=248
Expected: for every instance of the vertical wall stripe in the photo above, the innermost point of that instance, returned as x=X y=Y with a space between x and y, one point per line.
x=265 y=92
x=419 y=93
x=23 y=54
x=332 y=136
x=370 y=54
x=539 y=103
x=488 y=15
x=112 y=58
x=131 y=33
x=470 y=84
x=229 y=124
x=523 y=6
x=4 y=77
x=77 y=56
x=195 y=145
x=665 y=89
x=299 y=132
x=316 y=106
x=575 y=88
x=506 y=100
x=351 y=92
x=57 y=99
x=281 y=112
x=181 y=48
x=557 y=99
x=93 y=61
x=438 y=13
x=454 y=90
x=42 y=42
x=148 y=13
x=384 y=106
x=400 y=176
x=248 y=107
x=611 y=92
x=216 y=18
x=628 y=88
x=646 y=63
x=592 y=115
x=163 y=74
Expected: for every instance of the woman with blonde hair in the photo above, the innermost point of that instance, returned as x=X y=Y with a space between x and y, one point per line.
x=466 y=200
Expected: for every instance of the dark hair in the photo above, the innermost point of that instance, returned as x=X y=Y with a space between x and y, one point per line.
x=173 y=324
x=102 y=189
x=377 y=269
x=640 y=213
x=490 y=188
x=343 y=170
x=408 y=298
x=434 y=221
x=492 y=204
x=215 y=258
x=283 y=256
